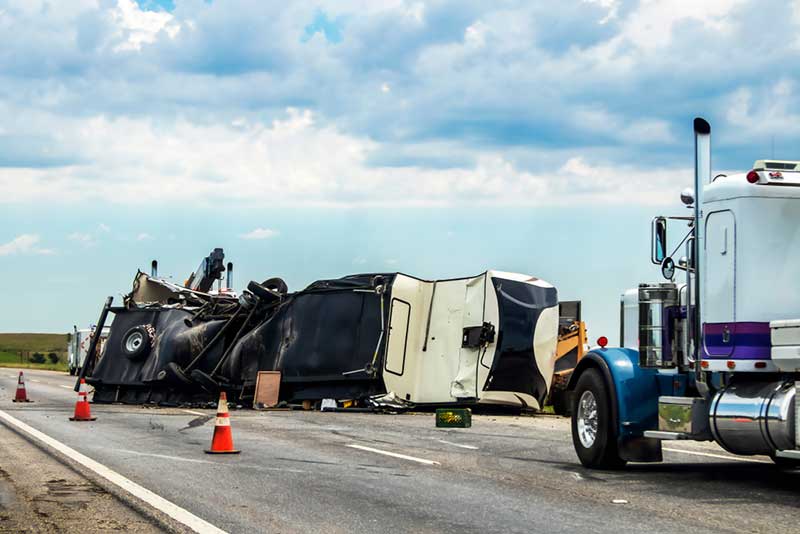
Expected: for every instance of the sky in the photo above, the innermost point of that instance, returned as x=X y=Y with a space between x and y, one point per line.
x=316 y=139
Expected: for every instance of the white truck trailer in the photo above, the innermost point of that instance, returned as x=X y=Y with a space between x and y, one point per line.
x=78 y=346
x=717 y=356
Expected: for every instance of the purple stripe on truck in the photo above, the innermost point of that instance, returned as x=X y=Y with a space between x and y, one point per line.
x=743 y=341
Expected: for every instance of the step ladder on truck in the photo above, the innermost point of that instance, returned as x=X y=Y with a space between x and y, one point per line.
x=716 y=356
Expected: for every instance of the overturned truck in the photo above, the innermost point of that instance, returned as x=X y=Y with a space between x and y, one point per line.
x=488 y=339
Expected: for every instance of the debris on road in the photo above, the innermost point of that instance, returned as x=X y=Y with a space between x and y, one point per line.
x=453 y=418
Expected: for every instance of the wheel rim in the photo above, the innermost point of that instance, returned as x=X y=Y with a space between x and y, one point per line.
x=587 y=419
x=134 y=341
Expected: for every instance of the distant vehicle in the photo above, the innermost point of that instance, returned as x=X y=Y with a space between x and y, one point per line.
x=78 y=346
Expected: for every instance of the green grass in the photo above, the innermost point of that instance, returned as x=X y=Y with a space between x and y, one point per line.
x=12 y=344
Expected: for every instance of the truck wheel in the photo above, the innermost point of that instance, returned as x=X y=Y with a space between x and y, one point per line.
x=277 y=285
x=264 y=294
x=136 y=342
x=593 y=433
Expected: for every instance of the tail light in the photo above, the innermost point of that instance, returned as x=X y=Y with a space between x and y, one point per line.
x=752 y=177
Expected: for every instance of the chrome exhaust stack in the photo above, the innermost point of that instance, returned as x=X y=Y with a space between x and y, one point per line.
x=154 y=269
x=702 y=176
x=229 y=276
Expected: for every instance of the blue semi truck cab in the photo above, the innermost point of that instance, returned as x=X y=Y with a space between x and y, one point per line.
x=712 y=353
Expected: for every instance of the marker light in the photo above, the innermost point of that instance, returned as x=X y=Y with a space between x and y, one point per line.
x=602 y=341
x=752 y=177
x=731 y=364
x=761 y=365
x=704 y=364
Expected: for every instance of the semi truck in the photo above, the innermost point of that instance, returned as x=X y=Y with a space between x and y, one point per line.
x=712 y=353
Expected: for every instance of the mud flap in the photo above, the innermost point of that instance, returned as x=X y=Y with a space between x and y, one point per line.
x=640 y=449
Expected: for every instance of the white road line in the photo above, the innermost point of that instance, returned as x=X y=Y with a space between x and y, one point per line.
x=722 y=456
x=470 y=447
x=393 y=454
x=156 y=501
x=66 y=387
x=194 y=413
x=192 y=460
x=164 y=456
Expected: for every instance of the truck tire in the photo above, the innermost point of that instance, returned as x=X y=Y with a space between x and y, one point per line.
x=277 y=285
x=135 y=343
x=593 y=432
x=264 y=295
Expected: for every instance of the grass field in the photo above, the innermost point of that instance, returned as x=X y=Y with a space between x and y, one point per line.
x=12 y=344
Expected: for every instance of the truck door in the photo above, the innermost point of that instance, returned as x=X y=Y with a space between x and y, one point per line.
x=719 y=282
x=465 y=383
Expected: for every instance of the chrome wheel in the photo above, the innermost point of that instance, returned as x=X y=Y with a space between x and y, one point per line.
x=586 y=419
x=134 y=341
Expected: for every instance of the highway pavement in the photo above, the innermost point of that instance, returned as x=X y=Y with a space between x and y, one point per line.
x=355 y=472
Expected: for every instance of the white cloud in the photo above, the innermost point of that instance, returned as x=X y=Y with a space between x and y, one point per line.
x=24 y=244
x=144 y=236
x=293 y=161
x=260 y=233
x=486 y=99
x=651 y=24
x=612 y=7
x=104 y=228
x=391 y=261
x=138 y=27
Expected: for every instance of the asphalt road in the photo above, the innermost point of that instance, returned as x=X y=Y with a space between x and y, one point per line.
x=320 y=472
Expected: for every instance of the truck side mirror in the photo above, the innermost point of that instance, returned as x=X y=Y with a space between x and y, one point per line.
x=658 y=240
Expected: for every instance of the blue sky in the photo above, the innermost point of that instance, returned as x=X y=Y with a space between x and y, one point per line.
x=318 y=139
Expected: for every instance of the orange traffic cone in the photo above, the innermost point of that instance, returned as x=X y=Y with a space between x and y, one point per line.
x=22 y=394
x=222 y=442
x=82 y=410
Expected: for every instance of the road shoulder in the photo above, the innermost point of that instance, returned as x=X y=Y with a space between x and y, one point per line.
x=39 y=493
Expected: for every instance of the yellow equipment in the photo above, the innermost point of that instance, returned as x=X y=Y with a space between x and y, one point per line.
x=569 y=351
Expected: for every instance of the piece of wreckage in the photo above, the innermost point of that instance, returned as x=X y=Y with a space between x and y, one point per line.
x=486 y=339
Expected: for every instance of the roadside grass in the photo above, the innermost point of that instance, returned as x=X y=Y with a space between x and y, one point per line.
x=8 y=359
x=12 y=344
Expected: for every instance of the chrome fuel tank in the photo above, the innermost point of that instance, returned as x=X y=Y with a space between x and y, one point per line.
x=754 y=417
